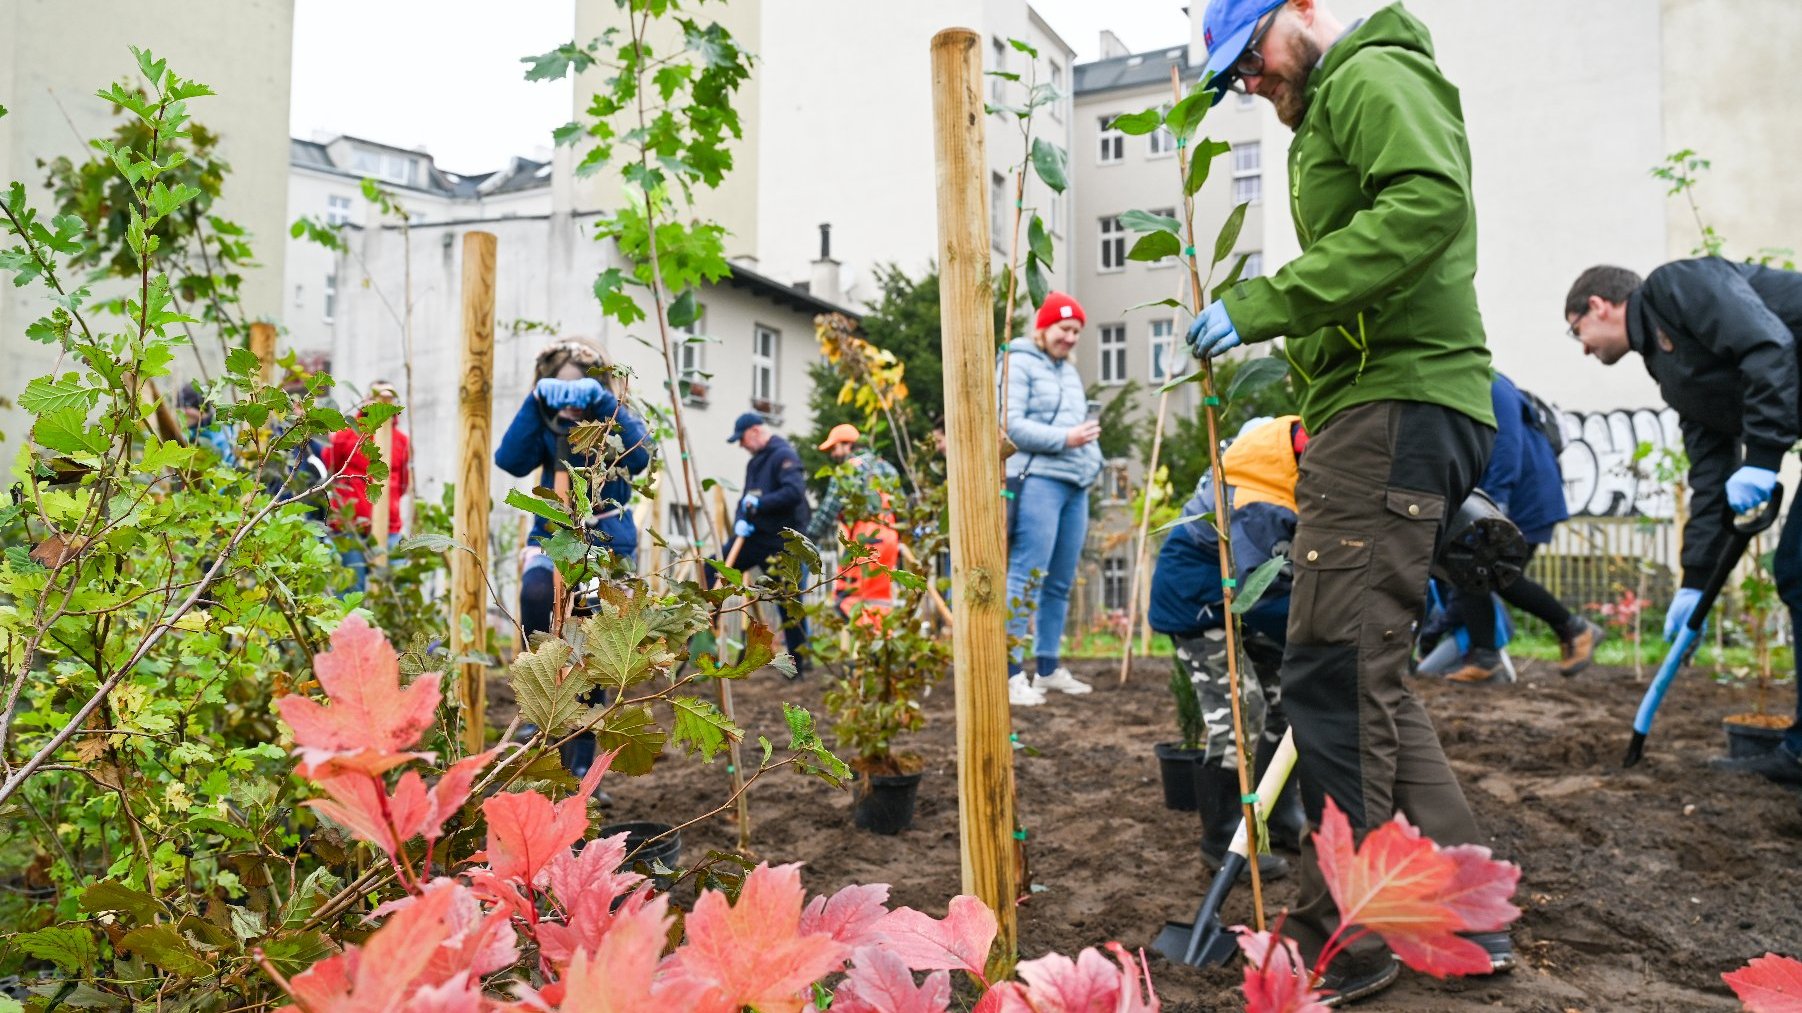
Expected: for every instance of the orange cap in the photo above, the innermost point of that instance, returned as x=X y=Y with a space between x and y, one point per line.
x=844 y=432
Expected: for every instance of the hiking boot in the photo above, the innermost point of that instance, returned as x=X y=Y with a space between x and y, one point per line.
x=1577 y=645
x=1779 y=765
x=1062 y=681
x=1346 y=985
x=1499 y=946
x=1217 y=801
x=1477 y=667
x=1020 y=693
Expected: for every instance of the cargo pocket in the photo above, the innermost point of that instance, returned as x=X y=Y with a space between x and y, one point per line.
x=1330 y=577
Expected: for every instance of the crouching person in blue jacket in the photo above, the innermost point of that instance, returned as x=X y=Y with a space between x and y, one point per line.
x=1186 y=604
x=569 y=390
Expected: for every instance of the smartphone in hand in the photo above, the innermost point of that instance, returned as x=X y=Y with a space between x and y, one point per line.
x=1094 y=411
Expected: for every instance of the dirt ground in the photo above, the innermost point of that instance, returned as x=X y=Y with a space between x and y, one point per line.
x=1639 y=889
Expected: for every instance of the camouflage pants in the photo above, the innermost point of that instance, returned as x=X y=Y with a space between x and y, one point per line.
x=1203 y=659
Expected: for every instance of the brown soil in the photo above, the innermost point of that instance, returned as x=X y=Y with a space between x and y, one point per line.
x=1640 y=887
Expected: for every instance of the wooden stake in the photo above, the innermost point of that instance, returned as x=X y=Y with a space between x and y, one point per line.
x=985 y=771
x=1132 y=599
x=378 y=518
x=475 y=424
x=559 y=590
x=262 y=342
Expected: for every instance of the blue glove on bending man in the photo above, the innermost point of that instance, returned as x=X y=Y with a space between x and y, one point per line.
x=1750 y=488
x=1212 y=332
x=559 y=394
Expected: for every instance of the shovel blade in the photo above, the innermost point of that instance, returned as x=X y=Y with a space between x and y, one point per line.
x=1178 y=943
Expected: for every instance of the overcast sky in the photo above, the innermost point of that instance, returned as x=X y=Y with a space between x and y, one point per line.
x=445 y=74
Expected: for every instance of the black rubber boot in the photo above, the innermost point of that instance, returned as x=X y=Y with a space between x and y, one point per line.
x=1217 y=799
x=1286 y=822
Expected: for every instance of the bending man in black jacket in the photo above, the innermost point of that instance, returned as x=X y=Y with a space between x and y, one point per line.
x=1721 y=340
x=774 y=497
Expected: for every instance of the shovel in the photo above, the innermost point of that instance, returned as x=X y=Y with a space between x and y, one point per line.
x=1744 y=528
x=1205 y=940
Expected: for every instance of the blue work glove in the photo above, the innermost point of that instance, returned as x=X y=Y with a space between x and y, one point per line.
x=749 y=503
x=1212 y=332
x=1677 y=616
x=1749 y=488
x=559 y=394
x=743 y=529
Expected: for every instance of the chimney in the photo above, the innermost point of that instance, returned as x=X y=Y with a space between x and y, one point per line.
x=825 y=282
x=1111 y=46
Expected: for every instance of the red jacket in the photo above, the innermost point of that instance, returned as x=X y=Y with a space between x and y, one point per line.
x=353 y=486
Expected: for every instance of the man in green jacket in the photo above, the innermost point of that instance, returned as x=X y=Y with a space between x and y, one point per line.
x=1387 y=349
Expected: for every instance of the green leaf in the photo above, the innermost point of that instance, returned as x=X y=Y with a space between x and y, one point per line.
x=1155 y=246
x=633 y=732
x=1179 y=381
x=1186 y=115
x=619 y=649
x=760 y=650
x=1038 y=240
x=1175 y=304
x=701 y=727
x=546 y=509
x=66 y=430
x=1232 y=278
x=108 y=895
x=1051 y=164
x=1022 y=46
x=1256 y=584
x=684 y=310
x=557 y=63
x=1200 y=161
x=70 y=947
x=293 y=954
x=568 y=133
x=802 y=738
x=374 y=414
x=1229 y=233
x=46 y=394
x=1036 y=285
x=427 y=541
x=1142 y=122
x=242 y=362
x=1145 y=221
x=1185 y=519
x=1257 y=374
x=547 y=697
x=1005 y=75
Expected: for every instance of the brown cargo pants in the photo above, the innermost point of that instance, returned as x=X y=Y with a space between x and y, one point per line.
x=1378 y=484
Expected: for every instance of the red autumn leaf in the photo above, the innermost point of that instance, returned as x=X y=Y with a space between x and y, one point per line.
x=461 y=994
x=1416 y=895
x=853 y=916
x=1276 y=979
x=750 y=953
x=880 y=982
x=527 y=830
x=1769 y=984
x=357 y=800
x=958 y=943
x=382 y=973
x=586 y=887
x=369 y=711
x=1089 y=984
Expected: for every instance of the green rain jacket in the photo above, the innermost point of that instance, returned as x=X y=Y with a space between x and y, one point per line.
x=1382 y=303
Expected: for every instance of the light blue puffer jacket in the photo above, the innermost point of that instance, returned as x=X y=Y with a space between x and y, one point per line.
x=1045 y=400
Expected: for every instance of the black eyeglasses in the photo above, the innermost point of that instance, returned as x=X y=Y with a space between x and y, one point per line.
x=1572 y=329
x=1251 y=62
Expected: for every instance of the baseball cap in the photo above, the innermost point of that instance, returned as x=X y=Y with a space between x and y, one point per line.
x=1226 y=29
x=844 y=432
x=742 y=423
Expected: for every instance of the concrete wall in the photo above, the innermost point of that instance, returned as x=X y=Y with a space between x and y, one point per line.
x=54 y=55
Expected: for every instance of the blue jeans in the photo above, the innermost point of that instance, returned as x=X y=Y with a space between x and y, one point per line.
x=1047 y=537
x=1786 y=569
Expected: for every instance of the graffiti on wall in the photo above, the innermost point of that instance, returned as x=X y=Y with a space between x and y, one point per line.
x=1601 y=478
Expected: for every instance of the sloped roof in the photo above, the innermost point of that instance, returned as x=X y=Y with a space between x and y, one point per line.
x=1135 y=70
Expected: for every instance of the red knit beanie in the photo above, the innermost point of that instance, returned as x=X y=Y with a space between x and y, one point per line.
x=1058 y=306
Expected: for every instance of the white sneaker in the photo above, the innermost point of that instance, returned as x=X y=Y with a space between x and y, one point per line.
x=1062 y=681
x=1021 y=694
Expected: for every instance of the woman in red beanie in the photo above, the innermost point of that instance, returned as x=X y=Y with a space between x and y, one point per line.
x=1057 y=462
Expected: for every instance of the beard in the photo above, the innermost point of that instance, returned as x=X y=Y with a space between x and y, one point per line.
x=1291 y=100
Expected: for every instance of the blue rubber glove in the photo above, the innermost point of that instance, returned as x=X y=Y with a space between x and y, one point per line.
x=749 y=503
x=1750 y=488
x=1677 y=616
x=1212 y=332
x=559 y=394
x=743 y=529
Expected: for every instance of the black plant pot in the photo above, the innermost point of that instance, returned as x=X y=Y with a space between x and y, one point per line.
x=885 y=802
x=1751 y=740
x=1176 y=765
x=666 y=851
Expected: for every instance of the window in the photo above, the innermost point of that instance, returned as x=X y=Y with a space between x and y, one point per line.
x=1162 y=142
x=998 y=210
x=1054 y=213
x=365 y=163
x=765 y=341
x=337 y=210
x=1167 y=261
x=998 y=85
x=1246 y=99
x=1057 y=91
x=1117 y=480
x=681 y=520
x=691 y=362
x=1113 y=142
x=1113 y=583
x=397 y=168
x=1248 y=179
x=1254 y=264
x=331 y=296
x=1113 y=245
x=1163 y=349
x=1113 y=353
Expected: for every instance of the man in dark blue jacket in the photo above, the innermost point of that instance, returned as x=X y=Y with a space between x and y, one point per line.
x=774 y=498
x=1721 y=339
x=1523 y=479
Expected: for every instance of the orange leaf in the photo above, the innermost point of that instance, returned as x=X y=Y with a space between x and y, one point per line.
x=1769 y=984
x=369 y=713
x=1276 y=980
x=526 y=830
x=750 y=953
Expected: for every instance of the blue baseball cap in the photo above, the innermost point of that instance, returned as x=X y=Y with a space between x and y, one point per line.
x=744 y=422
x=1226 y=29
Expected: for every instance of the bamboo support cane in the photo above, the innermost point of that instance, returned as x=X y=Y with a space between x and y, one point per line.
x=979 y=560
x=475 y=421
x=1223 y=527
x=559 y=589
x=737 y=770
x=384 y=501
x=1132 y=599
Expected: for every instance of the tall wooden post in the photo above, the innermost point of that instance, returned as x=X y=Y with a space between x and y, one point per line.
x=475 y=424
x=383 y=509
x=985 y=797
x=262 y=342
